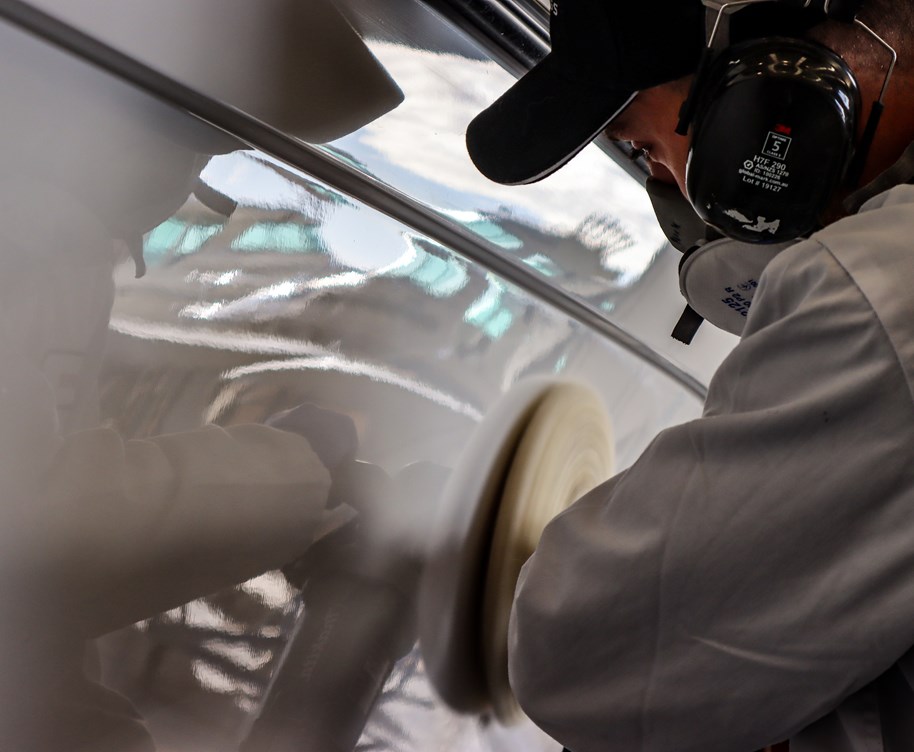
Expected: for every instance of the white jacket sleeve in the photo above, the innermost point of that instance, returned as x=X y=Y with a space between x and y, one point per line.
x=755 y=566
x=106 y=532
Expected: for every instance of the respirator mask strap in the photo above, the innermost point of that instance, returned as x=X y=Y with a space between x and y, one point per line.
x=685 y=231
x=687 y=326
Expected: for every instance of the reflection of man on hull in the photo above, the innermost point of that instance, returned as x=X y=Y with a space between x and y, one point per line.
x=359 y=591
x=99 y=532
x=751 y=577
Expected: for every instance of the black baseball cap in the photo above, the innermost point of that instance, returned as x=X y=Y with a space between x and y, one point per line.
x=603 y=53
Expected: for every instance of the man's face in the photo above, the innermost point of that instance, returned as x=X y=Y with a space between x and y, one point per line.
x=649 y=123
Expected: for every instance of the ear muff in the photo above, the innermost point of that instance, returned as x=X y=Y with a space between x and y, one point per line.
x=772 y=137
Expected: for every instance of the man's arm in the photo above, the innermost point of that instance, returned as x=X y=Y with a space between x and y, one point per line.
x=754 y=567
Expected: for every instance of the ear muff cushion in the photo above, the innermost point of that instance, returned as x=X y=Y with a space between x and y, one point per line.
x=772 y=138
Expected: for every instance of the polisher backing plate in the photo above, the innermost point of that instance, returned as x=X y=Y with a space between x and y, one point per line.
x=566 y=450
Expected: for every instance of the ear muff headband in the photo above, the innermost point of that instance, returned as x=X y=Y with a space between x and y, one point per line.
x=773 y=134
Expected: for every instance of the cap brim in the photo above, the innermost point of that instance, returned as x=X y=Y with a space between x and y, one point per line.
x=541 y=122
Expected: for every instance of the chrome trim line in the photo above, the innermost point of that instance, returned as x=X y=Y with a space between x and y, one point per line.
x=324 y=166
x=507 y=30
x=534 y=15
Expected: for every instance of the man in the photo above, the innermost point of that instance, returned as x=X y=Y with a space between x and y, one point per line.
x=751 y=577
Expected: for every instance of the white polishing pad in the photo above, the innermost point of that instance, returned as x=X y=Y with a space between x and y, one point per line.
x=538 y=449
x=565 y=451
x=451 y=592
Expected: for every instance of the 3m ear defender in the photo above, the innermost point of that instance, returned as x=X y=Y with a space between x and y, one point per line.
x=773 y=123
x=772 y=138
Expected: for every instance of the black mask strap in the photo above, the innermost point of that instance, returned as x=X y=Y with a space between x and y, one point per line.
x=687 y=326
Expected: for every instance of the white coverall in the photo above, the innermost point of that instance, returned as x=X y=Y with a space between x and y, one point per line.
x=97 y=532
x=751 y=577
